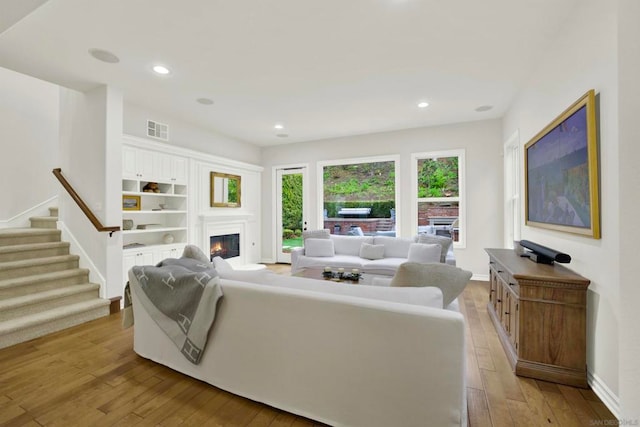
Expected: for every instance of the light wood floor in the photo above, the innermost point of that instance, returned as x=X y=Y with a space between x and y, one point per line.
x=89 y=375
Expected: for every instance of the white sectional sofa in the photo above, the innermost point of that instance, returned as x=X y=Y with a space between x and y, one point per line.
x=347 y=253
x=340 y=354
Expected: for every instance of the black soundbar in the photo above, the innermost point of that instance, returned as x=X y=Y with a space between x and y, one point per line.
x=543 y=254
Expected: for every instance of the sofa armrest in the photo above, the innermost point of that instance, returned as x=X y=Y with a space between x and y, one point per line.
x=451 y=257
x=296 y=253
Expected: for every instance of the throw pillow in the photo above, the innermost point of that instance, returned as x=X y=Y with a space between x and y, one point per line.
x=368 y=251
x=424 y=253
x=319 y=247
x=192 y=251
x=221 y=265
x=451 y=280
x=443 y=241
x=315 y=234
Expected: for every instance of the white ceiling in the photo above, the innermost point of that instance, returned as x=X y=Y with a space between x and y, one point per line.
x=323 y=68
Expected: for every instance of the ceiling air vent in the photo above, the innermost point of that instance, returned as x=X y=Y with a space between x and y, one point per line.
x=157 y=130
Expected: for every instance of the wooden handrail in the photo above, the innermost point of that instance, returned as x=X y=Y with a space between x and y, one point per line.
x=83 y=206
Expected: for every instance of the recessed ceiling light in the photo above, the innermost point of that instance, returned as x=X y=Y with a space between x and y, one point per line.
x=282 y=135
x=423 y=104
x=104 y=56
x=278 y=126
x=482 y=108
x=160 y=69
x=205 y=101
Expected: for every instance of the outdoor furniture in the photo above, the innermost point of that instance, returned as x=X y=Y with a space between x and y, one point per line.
x=354 y=212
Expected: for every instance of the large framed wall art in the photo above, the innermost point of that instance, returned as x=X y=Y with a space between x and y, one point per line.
x=561 y=172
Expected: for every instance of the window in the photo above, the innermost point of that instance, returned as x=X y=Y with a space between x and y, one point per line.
x=439 y=194
x=358 y=196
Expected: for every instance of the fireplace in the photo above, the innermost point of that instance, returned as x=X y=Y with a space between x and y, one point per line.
x=225 y=246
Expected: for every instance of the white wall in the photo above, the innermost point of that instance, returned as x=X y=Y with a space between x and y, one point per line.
x=90 y=151
x=629 y=172
x=584 y=56
x=482 y=141
x=29 y=141
x=189 y=136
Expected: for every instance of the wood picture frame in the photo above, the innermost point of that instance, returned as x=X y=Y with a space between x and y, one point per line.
x=130 y=203
x=561 y=172
x=225 y=190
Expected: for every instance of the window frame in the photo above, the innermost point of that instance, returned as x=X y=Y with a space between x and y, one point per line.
x=461 y=198
x=352 y=161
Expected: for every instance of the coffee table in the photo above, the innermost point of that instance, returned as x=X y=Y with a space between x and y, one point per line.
x=316 y=273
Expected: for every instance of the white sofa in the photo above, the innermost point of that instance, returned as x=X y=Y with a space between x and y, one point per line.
x=346 y=254
x=330 y=352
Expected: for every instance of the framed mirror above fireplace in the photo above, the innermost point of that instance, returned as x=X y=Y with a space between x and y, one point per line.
x=225 y=190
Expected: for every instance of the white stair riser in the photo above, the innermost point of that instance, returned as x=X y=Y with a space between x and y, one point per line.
x=48 y=304
x=26 y=288
x=62 y=249
x=27 y=238
x=39 y=269
x=50 y=326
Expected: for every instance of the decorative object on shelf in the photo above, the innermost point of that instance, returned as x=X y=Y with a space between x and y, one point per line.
x=168 y=238
x=132 y=245
x=149 y=226
x=127 y=224
x=130 y=203
x=225 y=190
x=561 y=172
x=151 y=187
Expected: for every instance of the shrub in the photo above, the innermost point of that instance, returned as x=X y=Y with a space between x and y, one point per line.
x=287 y=234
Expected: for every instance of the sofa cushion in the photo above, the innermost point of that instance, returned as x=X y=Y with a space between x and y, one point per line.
x=394 y=247
x=424 y=253
x=451 y=280
x=221 y=265
x=384 y=266
x=345 y=261
x=192 y=251
x=430 y=297
x=349 y=245
x=444 y=242
x=368 y=251
x=316 y=234
x=319 y=247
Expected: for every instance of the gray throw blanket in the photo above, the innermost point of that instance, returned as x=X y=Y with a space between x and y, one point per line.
x=181 y=296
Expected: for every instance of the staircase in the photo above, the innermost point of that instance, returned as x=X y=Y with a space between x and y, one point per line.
x=42 y=290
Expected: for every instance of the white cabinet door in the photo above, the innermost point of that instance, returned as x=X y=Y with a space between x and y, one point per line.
x=129 y=164
x=179 y=170
x=162 y=167
x=144 y=164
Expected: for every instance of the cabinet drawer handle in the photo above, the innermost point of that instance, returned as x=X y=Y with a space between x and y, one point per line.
x=499 y=300
x=511 y=284
x=500 y=271
x=506 y=312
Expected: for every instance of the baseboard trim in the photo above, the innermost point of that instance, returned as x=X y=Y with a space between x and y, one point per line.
x=480 y=277
x=114 y=307
x=605 y=394
x=22 y=219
